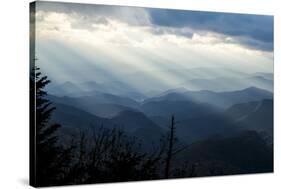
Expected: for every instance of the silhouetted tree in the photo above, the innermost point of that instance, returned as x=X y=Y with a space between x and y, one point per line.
x=109 y=155
x=78 y=173
x=51 y=160
x=171 y=151
x=170 y=148
x=114 y=156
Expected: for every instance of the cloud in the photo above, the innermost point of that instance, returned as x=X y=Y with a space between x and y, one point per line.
x=251 y=31
x=185 y=32
x=92 y=13
x=137 y=43
x=114 y=50
x=258 y=28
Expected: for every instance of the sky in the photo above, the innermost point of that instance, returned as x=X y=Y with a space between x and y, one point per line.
x=82 y=42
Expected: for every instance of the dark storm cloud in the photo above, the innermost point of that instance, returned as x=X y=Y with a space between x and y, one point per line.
x=167 y=30
x=258 y=28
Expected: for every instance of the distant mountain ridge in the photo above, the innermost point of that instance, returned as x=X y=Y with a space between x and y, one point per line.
x=90 y=87
x=182 y=109
x=101 y=104
x=218 y=99
x=140 y=85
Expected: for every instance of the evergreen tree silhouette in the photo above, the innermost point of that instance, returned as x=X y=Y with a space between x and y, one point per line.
x=50 y=158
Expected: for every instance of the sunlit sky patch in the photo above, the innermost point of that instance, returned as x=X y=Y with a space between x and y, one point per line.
x=78 y=42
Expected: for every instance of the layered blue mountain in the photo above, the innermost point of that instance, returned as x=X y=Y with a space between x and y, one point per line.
x=140 y=126
x=100 y=104
x=217 y=99
x=64 y=89
x=254 y=115
x=142 y=84
x=75 y=120
x=91 y=87
x=229 y=84
x=206 y=103
x=182 y=109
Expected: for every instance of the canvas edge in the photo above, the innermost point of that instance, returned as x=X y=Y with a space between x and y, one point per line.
x=32 y=130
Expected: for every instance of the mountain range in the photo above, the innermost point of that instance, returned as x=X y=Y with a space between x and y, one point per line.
x=217 y=99
x=142 y=85
x=150 y=120
x=207 y=103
